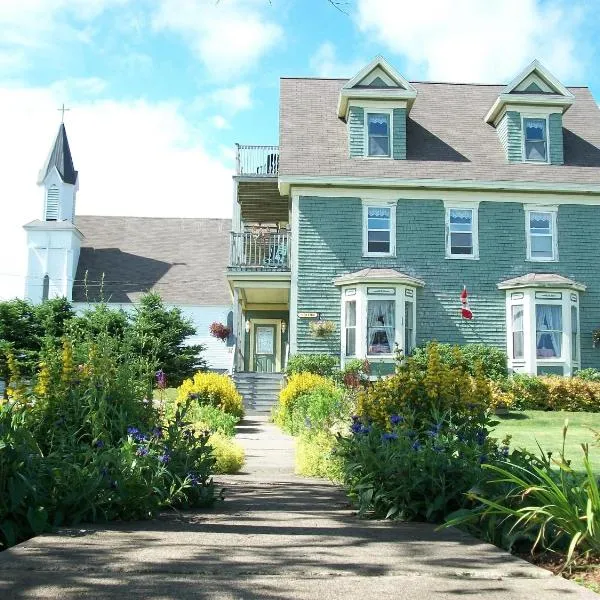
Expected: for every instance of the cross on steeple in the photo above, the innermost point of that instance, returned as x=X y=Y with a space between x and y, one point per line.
x=62 y=110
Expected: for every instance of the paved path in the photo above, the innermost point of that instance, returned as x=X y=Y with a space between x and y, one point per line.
x=278 y=537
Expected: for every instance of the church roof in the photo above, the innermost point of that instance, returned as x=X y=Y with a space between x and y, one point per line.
x=60 y=157
x=184 y=260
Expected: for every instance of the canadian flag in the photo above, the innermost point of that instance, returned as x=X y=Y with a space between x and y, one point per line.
x=465 y=311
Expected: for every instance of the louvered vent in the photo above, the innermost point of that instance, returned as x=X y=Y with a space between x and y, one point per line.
x=52 y=198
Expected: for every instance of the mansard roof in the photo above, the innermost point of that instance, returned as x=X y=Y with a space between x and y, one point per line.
x=184 y=260
x=60 y=157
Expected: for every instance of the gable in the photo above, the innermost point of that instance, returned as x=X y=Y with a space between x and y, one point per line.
x=378 y=78
x=535 y=78
x=533 y=84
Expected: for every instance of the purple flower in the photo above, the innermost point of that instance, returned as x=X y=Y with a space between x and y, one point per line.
x=396 y=419
x=161 y=379
x=164 y=458
x=142 y=451
x=157 y=432
x=416 y=445
x=356 y=426
x=132 y=430
x=387 y=437
x=99 y=444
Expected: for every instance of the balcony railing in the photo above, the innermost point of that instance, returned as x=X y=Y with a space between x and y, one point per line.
x=257 y=161
x=260 y=251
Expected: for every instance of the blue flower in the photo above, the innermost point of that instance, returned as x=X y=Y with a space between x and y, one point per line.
x=396 y=419
x=194 y=479
x=356 y=426
x=164 y=458
x=416 y=445
x=483 y=459
x=132 y=431
x=157 y=432
x=142 y=451
x=99 y=444
x=387 y=437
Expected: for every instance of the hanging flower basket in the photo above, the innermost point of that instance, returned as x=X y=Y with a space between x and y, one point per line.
x=321 y=328
x=596 y=338
x=220 y=331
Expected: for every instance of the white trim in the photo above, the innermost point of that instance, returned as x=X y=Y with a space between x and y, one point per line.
x=546 y=120
x=367 y=203
x=507 y=100
x=553 y=212
x=374 y=74
x=382 y=104
x=382 y=111
x=534 y=78
x=386 y=67
x=428 y=185
x=474 y=207
x=276 y=279
x=535 y=66
x=293 y=320
x=277 y=323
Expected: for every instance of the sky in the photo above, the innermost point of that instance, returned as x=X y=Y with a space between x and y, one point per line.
x=160 y=90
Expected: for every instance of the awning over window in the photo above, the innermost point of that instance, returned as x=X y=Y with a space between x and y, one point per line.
x=541 y=280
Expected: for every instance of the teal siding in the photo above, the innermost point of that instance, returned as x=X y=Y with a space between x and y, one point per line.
x=356 y=131
x=399 y=133
x=555 y=135
x=514 y=136
x=330 y=244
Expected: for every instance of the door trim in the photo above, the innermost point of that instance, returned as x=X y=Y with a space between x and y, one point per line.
x=277 y=323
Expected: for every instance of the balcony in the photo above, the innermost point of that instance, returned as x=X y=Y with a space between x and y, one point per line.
x=257 y=161
x=260 y=251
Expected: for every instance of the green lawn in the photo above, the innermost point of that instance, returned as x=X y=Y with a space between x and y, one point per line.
x=546 y=427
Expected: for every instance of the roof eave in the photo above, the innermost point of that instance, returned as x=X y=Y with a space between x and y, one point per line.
x=531 y=100
x=345 y=280
x=373 y=94
x=574 y=285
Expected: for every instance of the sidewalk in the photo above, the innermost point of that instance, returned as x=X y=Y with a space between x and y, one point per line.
x=276 y=536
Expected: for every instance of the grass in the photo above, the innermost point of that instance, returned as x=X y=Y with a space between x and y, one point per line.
x=529 y=426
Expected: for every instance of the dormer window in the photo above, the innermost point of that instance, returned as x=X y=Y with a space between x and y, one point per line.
x=535 y=139
x=379 y=134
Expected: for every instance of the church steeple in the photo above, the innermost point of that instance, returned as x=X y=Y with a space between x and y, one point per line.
x=59 y=180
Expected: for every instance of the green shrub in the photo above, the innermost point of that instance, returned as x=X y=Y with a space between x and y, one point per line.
x=325 y=365
x=316 y=455
x=229 y=454
x=588 y=374
x=491 y=360
x=213 y=419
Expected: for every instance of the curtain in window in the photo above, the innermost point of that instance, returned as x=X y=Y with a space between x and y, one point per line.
x=517 y=332
x=380 y=326
x=548 y=330
x=535 y=139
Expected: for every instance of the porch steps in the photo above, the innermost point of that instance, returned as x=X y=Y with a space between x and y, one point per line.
x=259 y=390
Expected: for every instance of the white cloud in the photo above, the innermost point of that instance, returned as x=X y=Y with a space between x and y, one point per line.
x=471 y=40
x=220 y=122
x=234 y=99
x=228 y=37
x=134 y=158
x=325 y=63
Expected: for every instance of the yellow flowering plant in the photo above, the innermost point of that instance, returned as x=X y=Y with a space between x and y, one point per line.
x=212 y=388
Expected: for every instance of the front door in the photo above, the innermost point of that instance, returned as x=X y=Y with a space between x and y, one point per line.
x=265 y=348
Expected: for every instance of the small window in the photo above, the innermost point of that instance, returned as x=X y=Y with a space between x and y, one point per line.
x=45 y=287
x=518 y=336
x=460 y=232
x=409 y=328
x=378 y=130
x=350 y=324
x=52 y=201
x=379 y=239
x=381 y=326
x=574 y=335
x=548 y=330
x=541 y=235
x=536 y=145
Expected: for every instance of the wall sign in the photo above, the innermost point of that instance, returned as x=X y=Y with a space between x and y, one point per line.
x=549 y=295
x=381 y=291
x=308 y=315
x=516 y=295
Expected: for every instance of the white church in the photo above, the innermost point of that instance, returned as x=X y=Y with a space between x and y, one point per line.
x=87 y=259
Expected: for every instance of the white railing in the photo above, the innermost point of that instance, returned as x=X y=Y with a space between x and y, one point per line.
x=256 y=161
x=260 y=251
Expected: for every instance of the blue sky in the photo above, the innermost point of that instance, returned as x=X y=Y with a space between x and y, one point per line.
x=159 y=90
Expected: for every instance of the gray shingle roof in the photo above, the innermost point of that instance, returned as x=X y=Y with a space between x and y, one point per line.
x=541 y=280
x=184 y=260
x=447 y=137
x=378 y=275
x=60 y=157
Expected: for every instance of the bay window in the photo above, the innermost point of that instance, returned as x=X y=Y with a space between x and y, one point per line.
x=548 y=330
x=518 y=340
x=381 y=326
x=350 y=327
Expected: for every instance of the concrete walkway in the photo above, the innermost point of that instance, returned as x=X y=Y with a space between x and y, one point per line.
x=276 y=536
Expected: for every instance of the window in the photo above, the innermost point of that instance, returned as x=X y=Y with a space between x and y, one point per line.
x=540 y=235
x=548 y=330
x=378 y=133
x=535 y=140
x=461 y=233
x=381 y=326
x=379 y=238
x=518 y=335
x=409 y=328
x=45 y=287
x=350 y=323
x=574 y=335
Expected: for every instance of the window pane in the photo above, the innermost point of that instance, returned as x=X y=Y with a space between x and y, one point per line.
x=379 y=134
x=351 y=341
x=381 y=326
x=461 y=219
x=535 y=129
x=574 y=337
x=540 y=222
x=548 y=319
x=535 y=151
x=408 y=328
x=374 y=211
x=379 y=124
x=350 y=314
x=379 y=223
x=379 y=146
x=541 y=246
x=517 y=331
x=379 y=236
x=461 y=243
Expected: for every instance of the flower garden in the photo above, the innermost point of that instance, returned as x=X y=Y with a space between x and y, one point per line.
x=421 y=445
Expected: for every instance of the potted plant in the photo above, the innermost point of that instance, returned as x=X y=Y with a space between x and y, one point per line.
x=220 y=331
x=321 y=328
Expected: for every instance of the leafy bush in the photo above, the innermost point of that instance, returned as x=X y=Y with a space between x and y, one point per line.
x=556 y=509
x=316 y=455
x=553 y=392
x=213 y=389
x=489 y=361
x=588 y=374
x=213 y=419
x=229 y=455
x=325 y=365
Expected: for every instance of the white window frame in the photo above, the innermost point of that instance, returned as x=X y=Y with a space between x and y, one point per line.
x=378 y=204
x=361 y=294
x=474 y=208
x=529 y=298
x=553 y=212
x=378 y=111
x=524 y=117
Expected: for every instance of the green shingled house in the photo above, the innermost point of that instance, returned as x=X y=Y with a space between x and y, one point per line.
x=386 y=198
